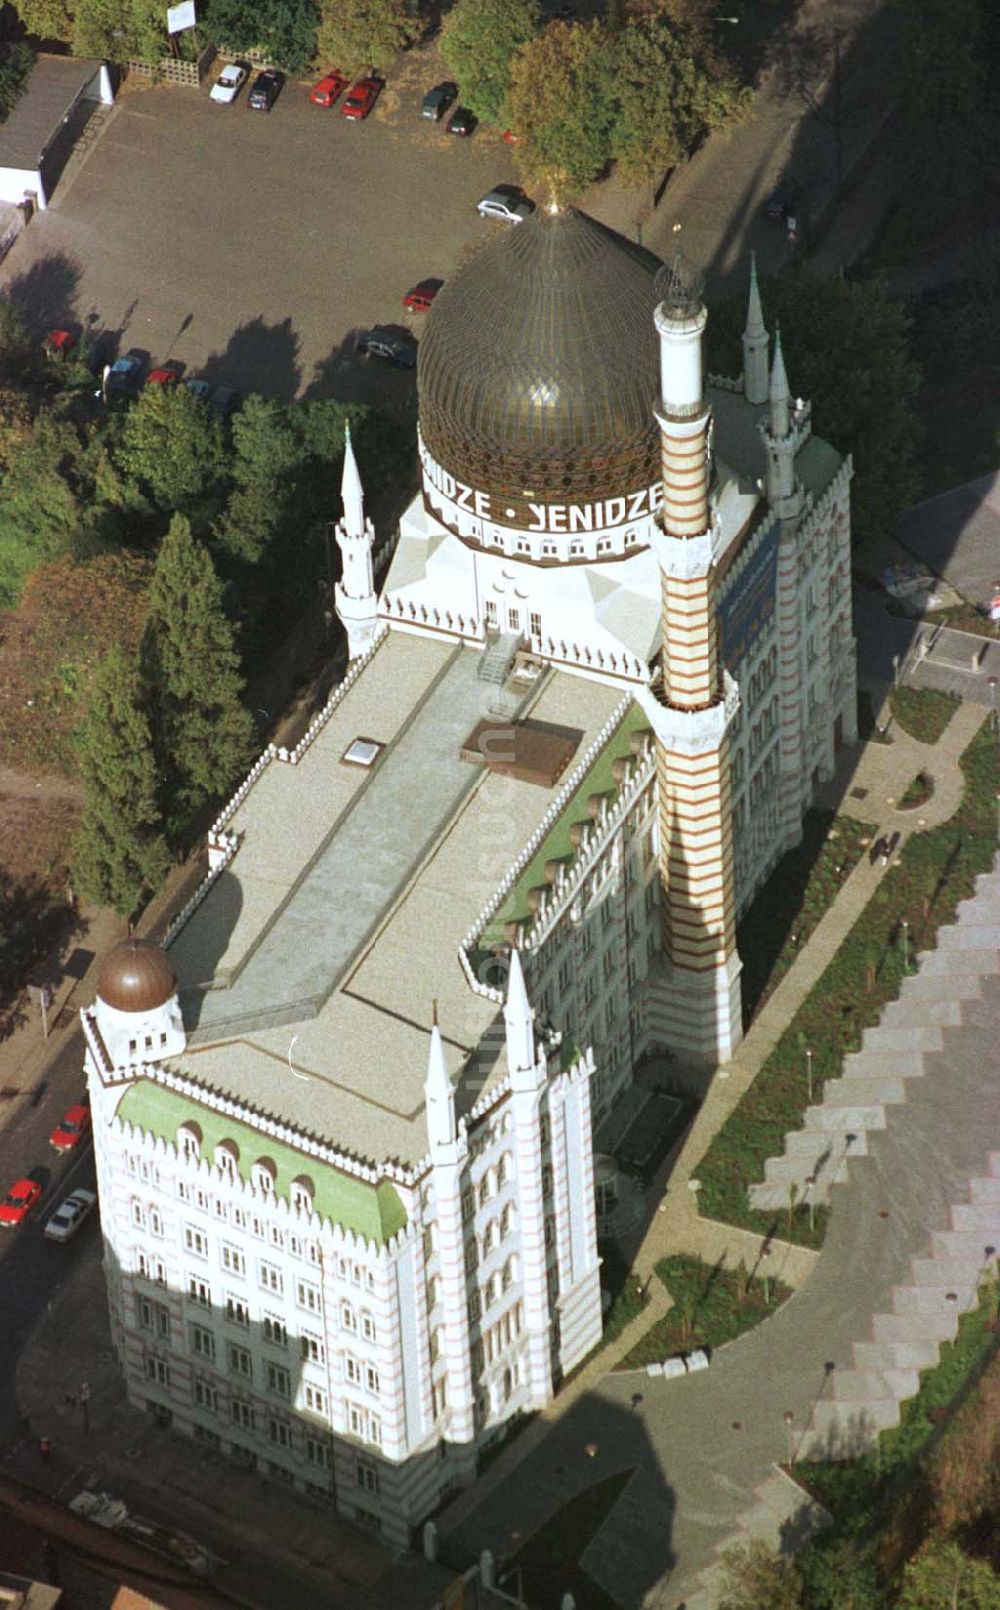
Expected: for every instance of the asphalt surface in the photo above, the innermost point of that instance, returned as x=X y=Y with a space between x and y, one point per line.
x=253 y=247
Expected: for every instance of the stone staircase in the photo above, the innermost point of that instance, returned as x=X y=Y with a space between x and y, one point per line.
x=866 y=1398
x=931 y=1000
x=783 y=1516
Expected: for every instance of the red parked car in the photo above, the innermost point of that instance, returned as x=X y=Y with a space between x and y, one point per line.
x=71 y=1129
x=18 y=1203
x=162 y=377
x=362 y=98
x=58 y=343
x=327 y=91
x=419 y=299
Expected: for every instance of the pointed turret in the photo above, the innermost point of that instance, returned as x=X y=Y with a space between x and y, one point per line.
x=519 y=1024
x=439 y=1094
x=779 y=395
x=755 y=343
x=354 y=595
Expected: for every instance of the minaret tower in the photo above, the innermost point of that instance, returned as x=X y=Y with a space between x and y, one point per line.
x=782 y=439
x=449 y=1154
x=354 y=594
x=695 y=1008
x=528 y=1073
x=755 y=344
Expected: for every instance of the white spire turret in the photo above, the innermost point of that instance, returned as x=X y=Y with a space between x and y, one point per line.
x=439 y=1094
x=755 y=343
x=354 y=595
x=519 y=1024
x=779 y=395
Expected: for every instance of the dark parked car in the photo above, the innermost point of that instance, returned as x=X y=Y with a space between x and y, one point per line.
x=125 y=374
x=437 y=101
x=224 y=401
x=266 y=89
x=395 y=346
x=782 y=202
x=462 y=121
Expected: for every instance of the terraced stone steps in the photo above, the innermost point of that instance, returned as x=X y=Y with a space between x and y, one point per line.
x=874 y=1079
x=781 y=1512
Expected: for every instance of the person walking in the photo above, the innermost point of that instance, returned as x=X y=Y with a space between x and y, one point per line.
x=44 y=1447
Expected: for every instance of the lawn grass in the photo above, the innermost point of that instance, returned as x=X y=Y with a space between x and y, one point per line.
x=712 y=1305
x=549 y=1561
x=922 y=712
x=936 y=869
x=857 y=1492
x=795 y=898
x=629 y=1296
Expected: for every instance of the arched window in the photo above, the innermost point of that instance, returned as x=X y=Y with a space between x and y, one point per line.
x=507 y=1221
x=263 y=1175
x=303 y=1191
x=227 y=1155
x=491 y=1236
x=484 y=1190
x=509 y=1273
x=503 y=1170
x=189 y=1142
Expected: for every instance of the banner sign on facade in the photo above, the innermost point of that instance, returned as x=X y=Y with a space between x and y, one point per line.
x=180 y=17
x=749 y=603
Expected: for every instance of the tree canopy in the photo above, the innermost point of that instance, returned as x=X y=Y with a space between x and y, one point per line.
x=561 y=101
x=119 y=851
x=47 y=19
x=357 y=35
x=285 y=30
x=478 y=39
x=847 y=349
x=171 y=446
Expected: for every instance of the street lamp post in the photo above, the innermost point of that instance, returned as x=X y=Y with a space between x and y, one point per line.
x=810 y=1182
x=789 y=1420
x=991 y=683
x=809 y=1073
x=906 y=944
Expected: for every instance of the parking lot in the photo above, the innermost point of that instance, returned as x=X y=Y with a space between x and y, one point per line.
x=253 y=247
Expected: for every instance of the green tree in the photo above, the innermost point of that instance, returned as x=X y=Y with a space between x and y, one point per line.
x=756 y=1578
x=40 y=516
x=285 y=30
x=16 y=61
x=947 y=101
x=846 y=348
x=561 y=102
x=204 y=733
x=47 y=19
x=840 y=1574
x=665 y=99
x=119 y=852
x=19 y=356
x=478 y=39
x=109 y=28
x=358 y=34
x=171 y=446
x=943 y=1578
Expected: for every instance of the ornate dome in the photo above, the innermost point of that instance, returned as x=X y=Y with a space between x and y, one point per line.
x=539 y=369
x=136 y=976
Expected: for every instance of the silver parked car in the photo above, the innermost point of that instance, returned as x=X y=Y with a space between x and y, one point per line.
x=69 y=1216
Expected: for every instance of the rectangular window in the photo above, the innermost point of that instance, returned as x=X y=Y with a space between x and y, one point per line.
x=221 y=1209
x=205 y=1395
x=355 y=1420
x=318 y=1453
x=366 y=1477
x=535 y=624
x=279 y=1434
x=279 y=1380
x=240 y=1361
x=199 y=1291
x=275 y=1331
x=237 y=1311
x=367 y=1327
x=347 y=1318
x=233 y=1260
x=491 y=612
x=146 y=1313
x=271 y=1278
x=315 y=1399
x=277 y=1236
x=313 y=1350
x=155 y=1222
x=307 y=1296
x=157 y=1370
x=202 y=1342
x=257 y=1227
x=195 y=1241
x=371 y=1378
x=241 y=1413
x=138 y=1214
x=352 y=1369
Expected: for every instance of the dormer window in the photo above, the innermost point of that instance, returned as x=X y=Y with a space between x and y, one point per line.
x=226 y=1157
x=189 y=1142
x=263 y=1175
x=303 y=1192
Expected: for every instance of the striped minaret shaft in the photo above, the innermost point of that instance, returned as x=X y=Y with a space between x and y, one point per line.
x=695 y=819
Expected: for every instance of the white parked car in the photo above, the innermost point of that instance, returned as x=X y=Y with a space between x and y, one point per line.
x=67 y=1218
x=228 y=84
x=506 y=202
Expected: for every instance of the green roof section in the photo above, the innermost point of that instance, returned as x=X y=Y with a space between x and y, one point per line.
x=817 y=464
x=373 y=1211
x=557 y=845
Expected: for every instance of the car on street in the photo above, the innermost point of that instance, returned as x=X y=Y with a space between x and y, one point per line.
x=506 y=202
x=69 y=1215
x=267 y=86
x=462 y=121
x=126 y=372
x=361 y=99
x=329 y=89
x=202 y=389
x=18 y=1203
x=437 y=101
x=782 y=201
x=163 y=377
x=419 y=298
x=59 y=343
x=395 y=346
x=71 y=1129
x=228 y=84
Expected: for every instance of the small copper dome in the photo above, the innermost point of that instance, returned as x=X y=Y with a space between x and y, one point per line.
x=136 y=976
